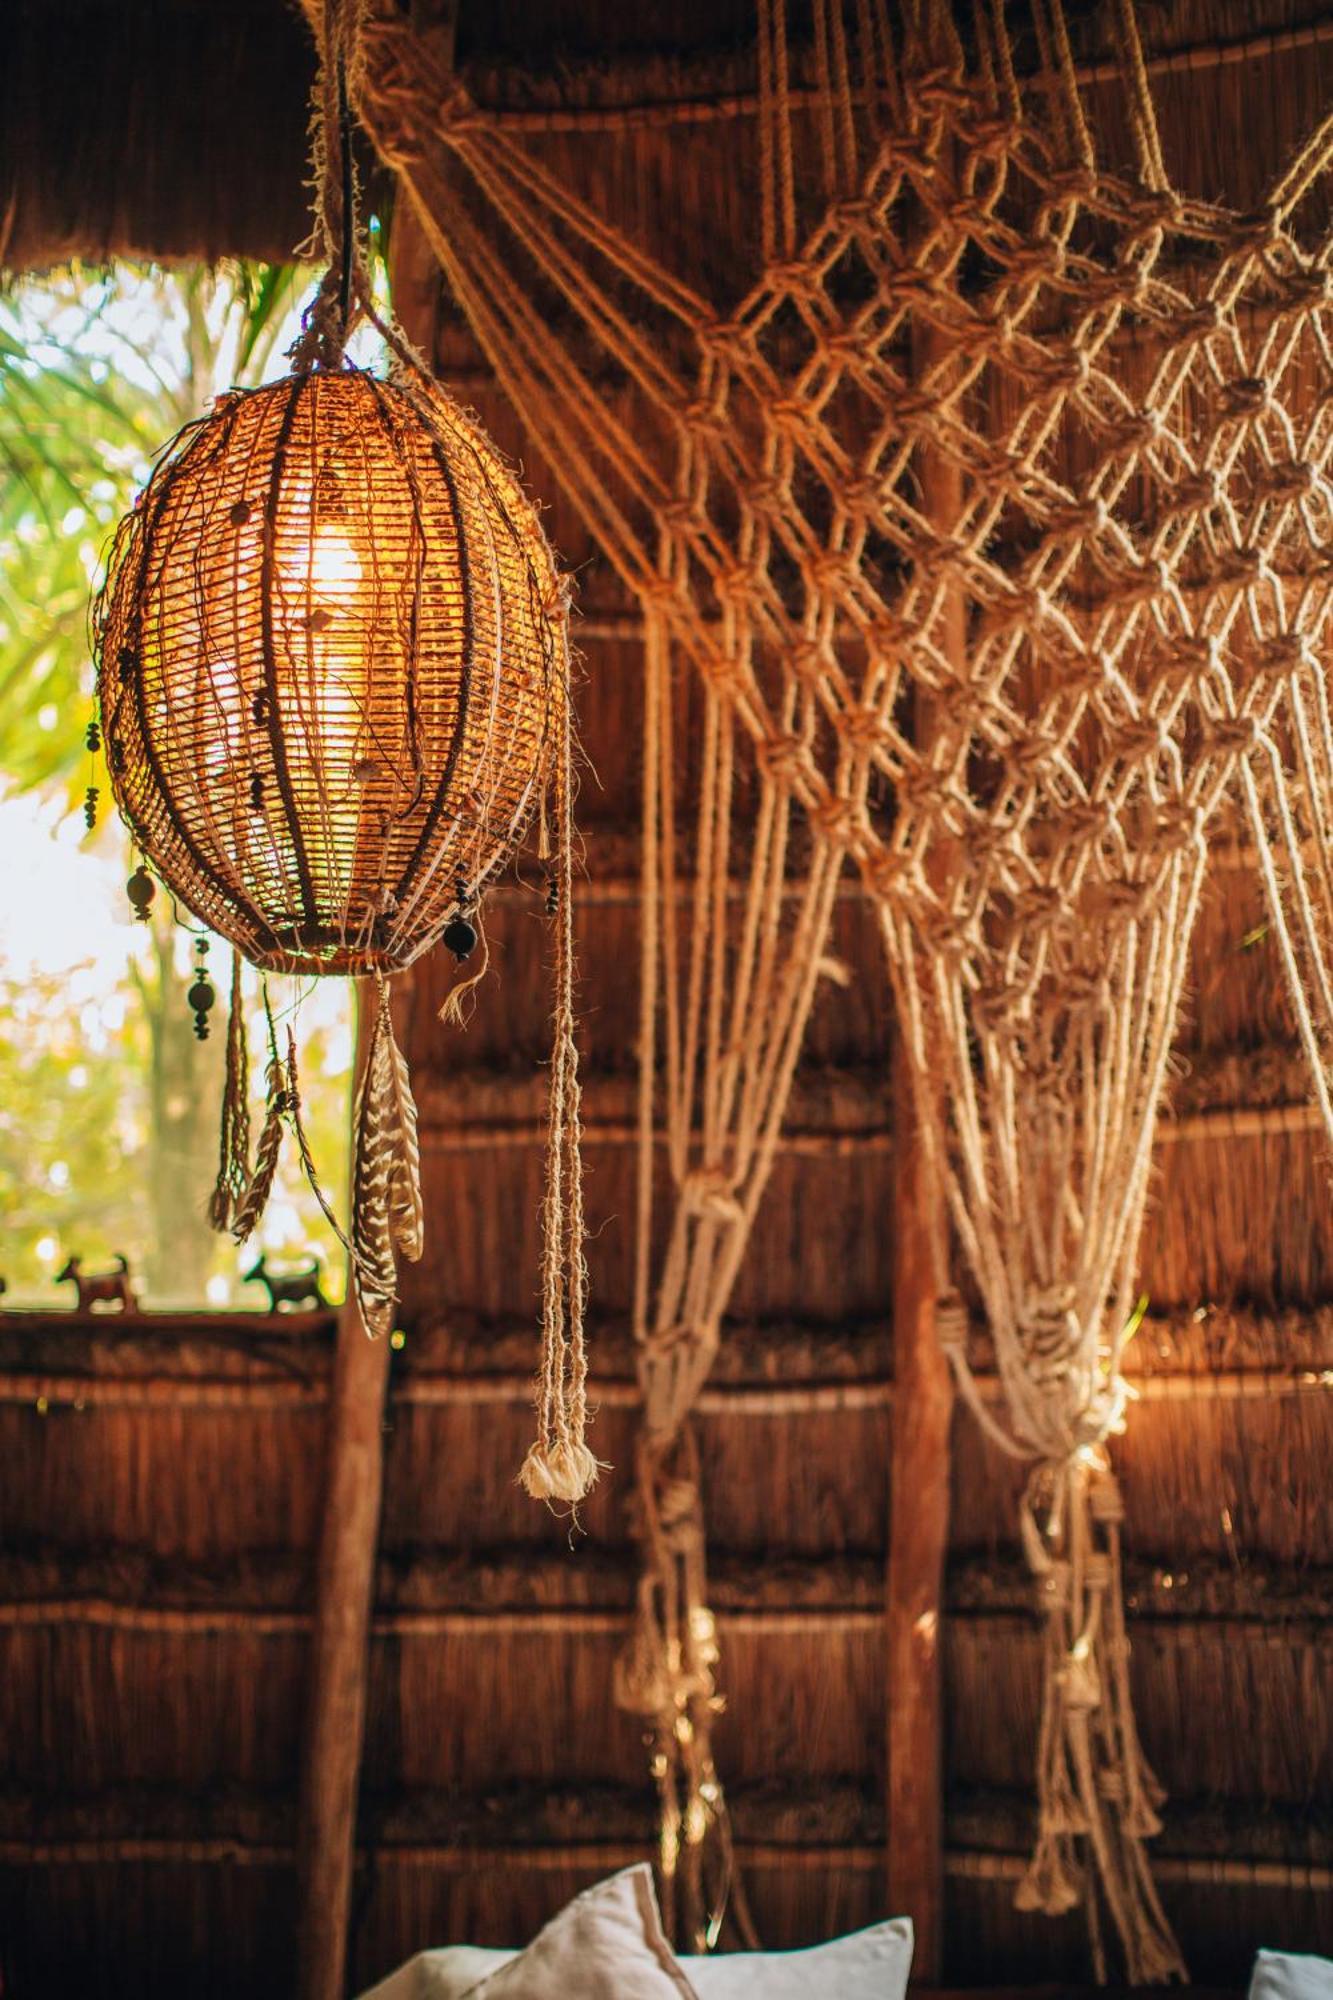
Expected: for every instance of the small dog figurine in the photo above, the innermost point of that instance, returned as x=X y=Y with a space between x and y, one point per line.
x=288 y=1292
x=107 y=1288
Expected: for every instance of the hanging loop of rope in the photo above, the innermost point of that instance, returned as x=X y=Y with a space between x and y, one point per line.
x=344 y=294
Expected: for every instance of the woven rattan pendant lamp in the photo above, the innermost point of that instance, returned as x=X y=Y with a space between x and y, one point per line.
x=332 y=659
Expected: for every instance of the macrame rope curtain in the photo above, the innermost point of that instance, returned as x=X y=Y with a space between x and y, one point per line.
x=334 y=691
x=1015 y=708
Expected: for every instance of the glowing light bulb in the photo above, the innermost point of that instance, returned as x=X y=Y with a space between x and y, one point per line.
x=335 y=567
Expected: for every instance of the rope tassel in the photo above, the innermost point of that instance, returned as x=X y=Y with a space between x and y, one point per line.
x=1095 y=1790
x=559 y=1466
x=255 y=1199
x=387 y=1216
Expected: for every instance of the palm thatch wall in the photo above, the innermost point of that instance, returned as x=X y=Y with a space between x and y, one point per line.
x=161 y=1485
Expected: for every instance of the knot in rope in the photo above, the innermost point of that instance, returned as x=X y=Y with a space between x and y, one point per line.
x=1145 y=738
x=680 y=513
x=843 y=824
x=1248 y=396
x=1236 y=733
x=766 y=495
x=783 y=758
x=883 y=871
x=703 y=416
x=658 y=589
x=457 y=112
x=1259 y=231
x=678 y=1510
x=1244 y=567
x=737 y=582
x=992 y=138
x=950 y=936
x=1075 y=182
x=830 y=571
x=940 y=89
x=1032 y=263
x=1121 y=900
x=660 y=1343
x=711 y=1192
x=1177 y=826
x=1308 y=288
x=1292 y=479
x=1201 y=490
x=722 y=672
x=718 y=339
x=1288 y=654
x=858 y=497
x=862 y=726
x=797 y=280
x=1040 y=906
x=1033 y=753
x=1048 y=1332
x=789 y=416
x=1206 y=319
x=998 y=1007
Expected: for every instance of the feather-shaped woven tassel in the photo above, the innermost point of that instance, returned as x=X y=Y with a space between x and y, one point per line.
x=293 y=1109
x=233 y=1179
x=386 y=1176
x=253 y=1202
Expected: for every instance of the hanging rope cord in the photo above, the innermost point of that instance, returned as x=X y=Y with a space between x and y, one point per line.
x=994 y=996
x=387 y=1209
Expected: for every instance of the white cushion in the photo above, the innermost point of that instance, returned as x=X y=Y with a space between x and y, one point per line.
x=608 y=1944
x=440 y=1975
x=1288 y=1975
x=869 y=1965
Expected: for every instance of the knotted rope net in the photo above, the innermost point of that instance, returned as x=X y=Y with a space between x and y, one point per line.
x=995 y=517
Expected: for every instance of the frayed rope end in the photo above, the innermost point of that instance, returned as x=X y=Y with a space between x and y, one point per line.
x=566 y=1472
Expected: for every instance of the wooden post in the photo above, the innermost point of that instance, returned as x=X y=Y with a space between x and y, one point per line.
x=920 y=1452
x=918 y=1543
x=339 y=1647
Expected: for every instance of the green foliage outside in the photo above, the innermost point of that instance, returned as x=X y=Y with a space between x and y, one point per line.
x=108 y=1102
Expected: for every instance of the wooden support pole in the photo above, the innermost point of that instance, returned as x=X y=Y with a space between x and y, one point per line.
x=340 y=1641
x=920 y=1452
x=918 y=1541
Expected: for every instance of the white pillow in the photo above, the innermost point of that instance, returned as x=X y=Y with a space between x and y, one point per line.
x=608 y=1944
x=440 y=1975
x=1288 y=1975
x=869 y=1965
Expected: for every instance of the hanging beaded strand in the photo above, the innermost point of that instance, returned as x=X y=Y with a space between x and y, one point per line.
x=93 y=739
x=201 y=995
x=141 y=889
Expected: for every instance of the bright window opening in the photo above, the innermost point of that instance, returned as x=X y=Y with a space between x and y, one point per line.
x=108 y=1102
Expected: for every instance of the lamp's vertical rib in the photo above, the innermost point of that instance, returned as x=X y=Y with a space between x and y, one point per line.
x=272 y=683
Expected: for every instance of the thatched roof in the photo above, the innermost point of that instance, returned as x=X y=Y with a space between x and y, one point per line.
x=175 y=128
x=161 y=1500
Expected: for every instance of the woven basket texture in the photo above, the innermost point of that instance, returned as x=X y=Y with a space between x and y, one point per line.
x=329 y=669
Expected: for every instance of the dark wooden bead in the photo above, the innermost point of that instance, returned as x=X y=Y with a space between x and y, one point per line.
x=141 y=890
